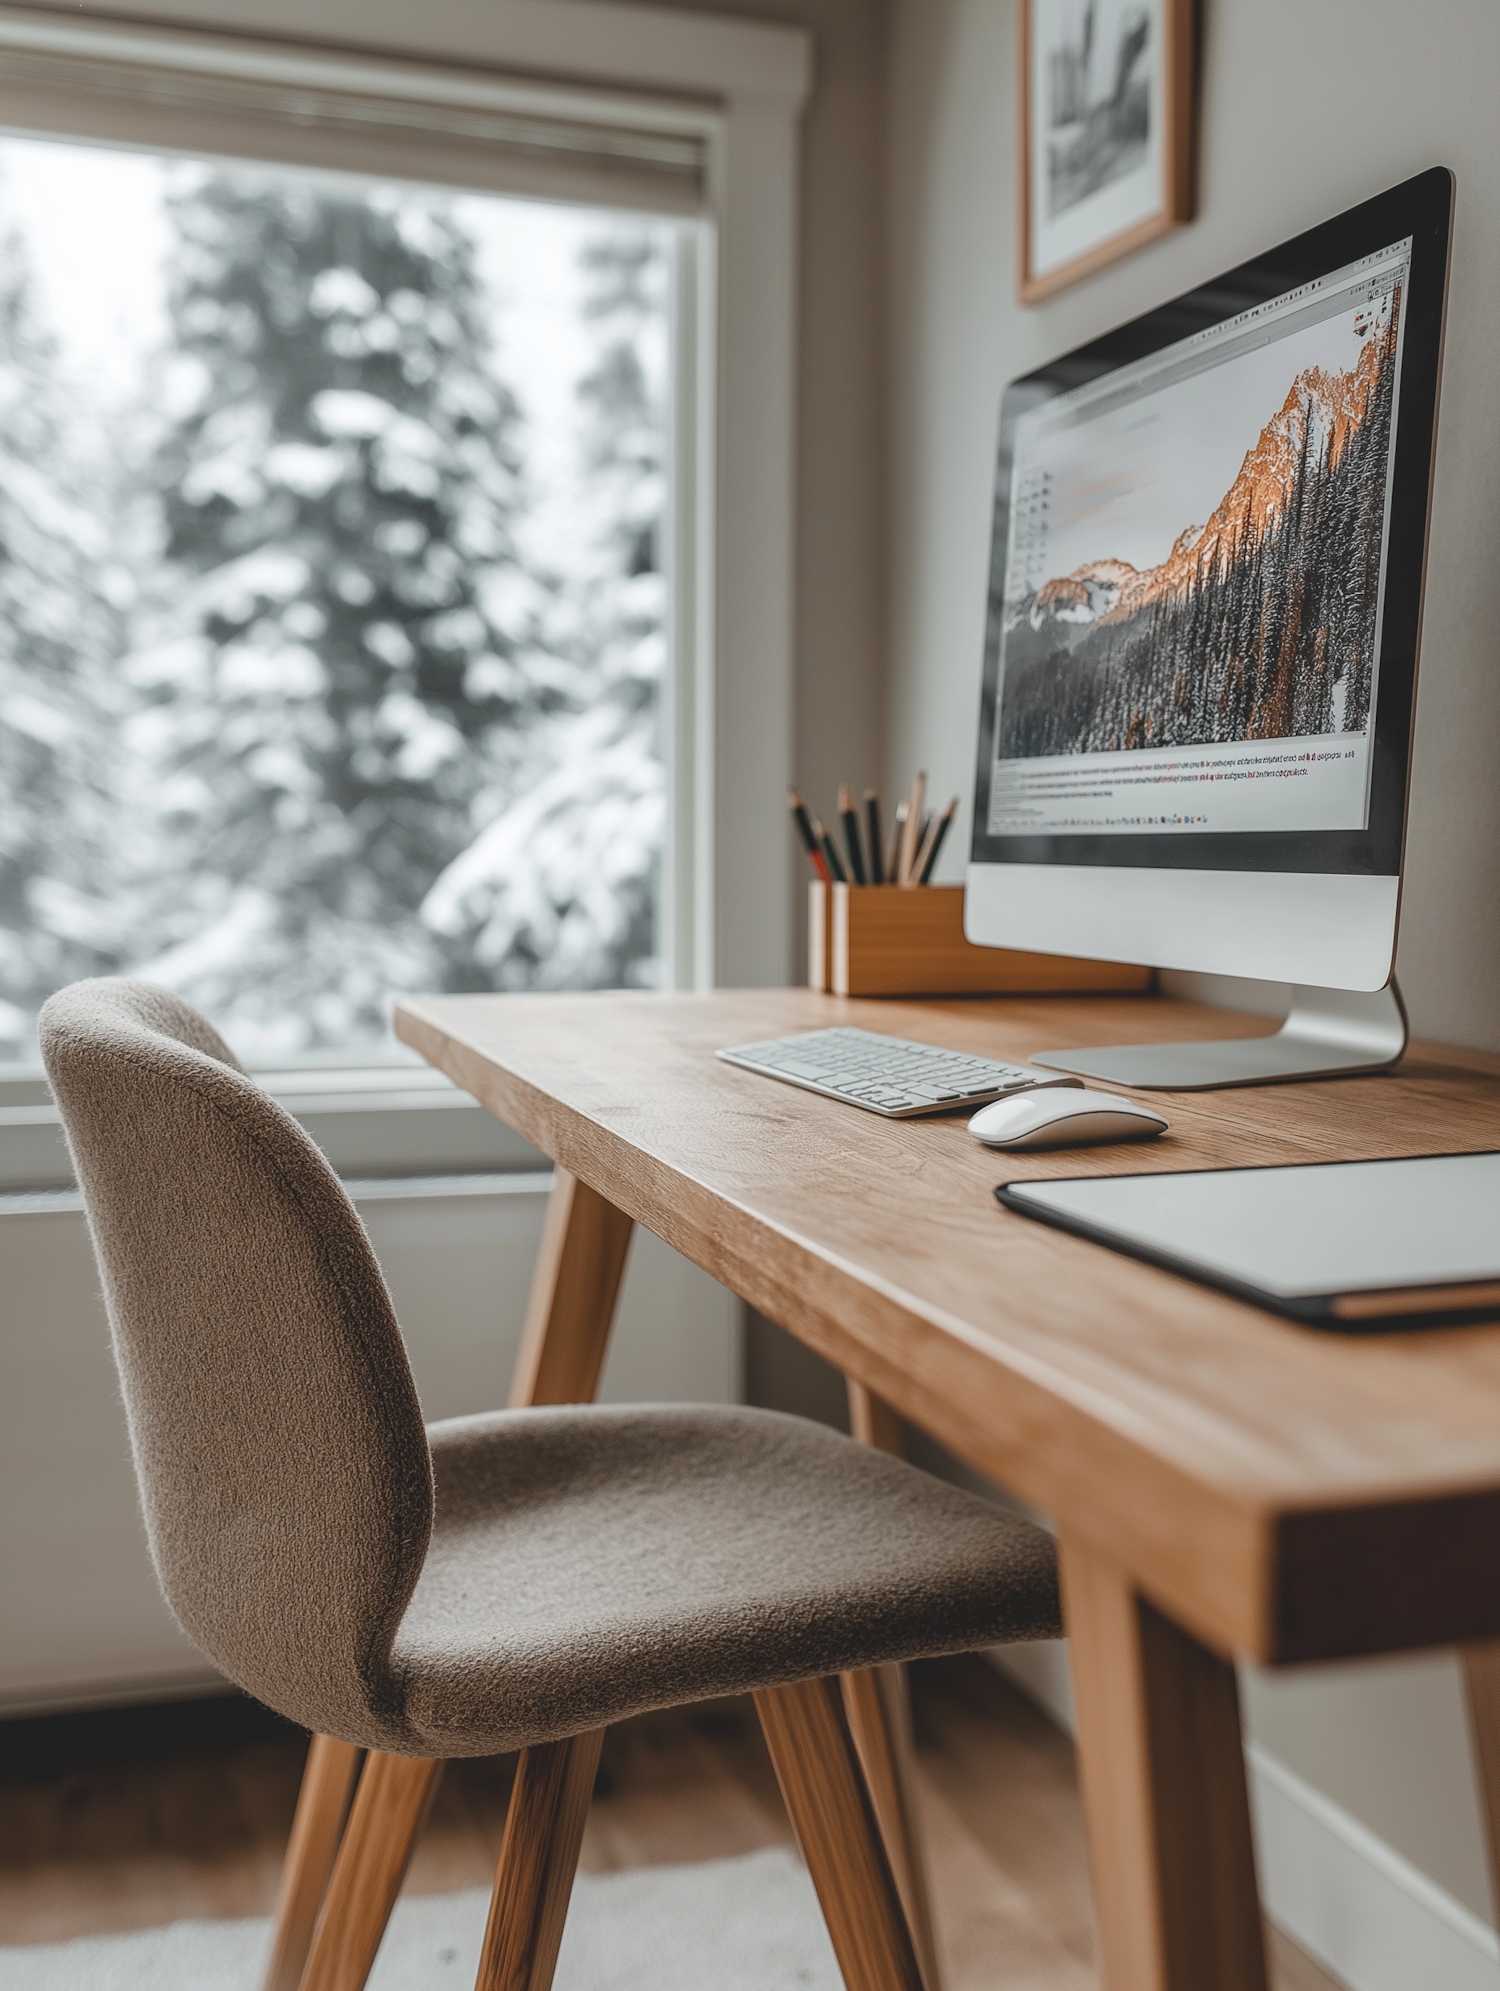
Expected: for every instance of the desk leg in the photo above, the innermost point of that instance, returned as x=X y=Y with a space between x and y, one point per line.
x=1481 y=1665
x=1161 y=1761
x=877 y=1703
x=573 y=1294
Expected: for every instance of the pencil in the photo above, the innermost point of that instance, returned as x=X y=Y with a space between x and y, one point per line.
x=851 y=834
x=919 y=855
x=898 y=837
x=872 y=836
x=935 y=842
x=913 y=830
x=815 y=856
x=836 y=870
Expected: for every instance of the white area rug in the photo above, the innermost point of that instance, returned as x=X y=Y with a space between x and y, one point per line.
x=750 y=1924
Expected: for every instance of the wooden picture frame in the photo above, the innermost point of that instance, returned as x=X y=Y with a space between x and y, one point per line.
x=1106 y=121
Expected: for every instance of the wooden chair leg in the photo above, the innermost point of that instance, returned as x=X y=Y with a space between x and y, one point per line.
x=549 y=1805
x=1162 y=1764
x=322 y=1806
x=820 y=1777
x=573 y=1294
x=878 y=1705
x=1481 y=1668
x=389 y=1807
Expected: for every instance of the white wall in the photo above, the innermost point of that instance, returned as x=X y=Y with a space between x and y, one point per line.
x=1306 y=109
x=840 y=600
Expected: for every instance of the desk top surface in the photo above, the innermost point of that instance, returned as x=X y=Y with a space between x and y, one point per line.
x=1285 y=1492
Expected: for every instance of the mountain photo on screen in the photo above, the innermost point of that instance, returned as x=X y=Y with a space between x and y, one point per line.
x=1195 y=561
x=1094 y=124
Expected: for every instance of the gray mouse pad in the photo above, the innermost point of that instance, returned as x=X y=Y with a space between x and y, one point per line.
x=1356 y=1246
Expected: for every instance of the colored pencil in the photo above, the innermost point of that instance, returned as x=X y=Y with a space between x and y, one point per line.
x=898 y=837
x=872 y=836
x=800 y=817
x=929 y=857
x=831 y=856
x=912 y=830
x=919 y=855
x=850 y=822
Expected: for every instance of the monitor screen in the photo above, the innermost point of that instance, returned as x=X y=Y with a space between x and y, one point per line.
x=1190 y=637
x=1198 y=538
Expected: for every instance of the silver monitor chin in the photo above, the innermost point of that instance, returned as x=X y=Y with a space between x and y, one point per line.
x=1332 y=937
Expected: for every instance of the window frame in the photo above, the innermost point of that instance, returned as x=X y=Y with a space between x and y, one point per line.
x=738 y=88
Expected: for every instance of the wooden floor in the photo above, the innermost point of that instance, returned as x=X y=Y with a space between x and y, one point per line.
x=129 y=1819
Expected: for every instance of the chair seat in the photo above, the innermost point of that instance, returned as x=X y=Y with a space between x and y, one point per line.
x=591 y=1562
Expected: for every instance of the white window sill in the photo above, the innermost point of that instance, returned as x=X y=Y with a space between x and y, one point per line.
x=381 y=1121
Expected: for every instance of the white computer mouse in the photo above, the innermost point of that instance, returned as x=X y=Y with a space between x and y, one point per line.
x=1064 y=1120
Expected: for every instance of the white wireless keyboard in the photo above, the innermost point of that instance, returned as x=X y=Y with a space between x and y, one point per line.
x=889 y=1075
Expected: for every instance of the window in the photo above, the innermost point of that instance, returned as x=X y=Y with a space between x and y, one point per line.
x=331 y=568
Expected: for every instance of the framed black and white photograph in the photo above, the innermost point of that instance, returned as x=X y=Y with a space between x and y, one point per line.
x=1106 y=133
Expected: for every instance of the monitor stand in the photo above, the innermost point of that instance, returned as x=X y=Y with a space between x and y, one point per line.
x=1328 y=1033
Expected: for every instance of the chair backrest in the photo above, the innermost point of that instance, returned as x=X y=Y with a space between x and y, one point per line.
x=278 y=1441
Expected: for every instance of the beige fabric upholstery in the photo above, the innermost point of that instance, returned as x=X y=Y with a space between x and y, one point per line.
x=278 y=1441
x=584 y=1563
x=588 y=1563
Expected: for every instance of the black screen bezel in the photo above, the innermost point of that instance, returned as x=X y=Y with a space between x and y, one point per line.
x=1422 y=209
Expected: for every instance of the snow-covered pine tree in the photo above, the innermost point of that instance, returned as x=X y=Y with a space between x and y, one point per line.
x=61 y=636
x=560 y=890
x=337 y=671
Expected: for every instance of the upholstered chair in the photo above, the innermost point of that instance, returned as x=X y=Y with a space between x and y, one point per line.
x=513 y=1580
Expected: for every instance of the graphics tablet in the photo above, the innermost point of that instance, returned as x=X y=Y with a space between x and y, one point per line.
x=1359 y=1247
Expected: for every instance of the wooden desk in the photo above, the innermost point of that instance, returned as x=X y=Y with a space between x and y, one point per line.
x=1222 y=1481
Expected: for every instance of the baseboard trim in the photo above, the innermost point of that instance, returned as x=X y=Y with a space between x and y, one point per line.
x=1351 y=1901
x=1355 y=1904
x=21 y=1699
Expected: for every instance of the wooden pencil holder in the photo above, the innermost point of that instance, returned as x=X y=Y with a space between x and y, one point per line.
x=890 y=940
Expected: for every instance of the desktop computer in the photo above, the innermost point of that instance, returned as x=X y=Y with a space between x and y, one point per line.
x=1201 y=653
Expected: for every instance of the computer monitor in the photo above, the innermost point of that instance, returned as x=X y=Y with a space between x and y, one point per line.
x=1201 y=655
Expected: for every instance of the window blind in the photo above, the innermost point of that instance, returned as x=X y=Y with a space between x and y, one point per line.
x=500 y=135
